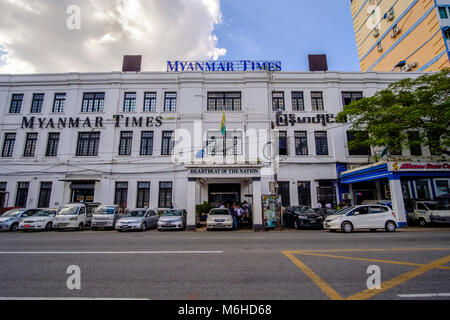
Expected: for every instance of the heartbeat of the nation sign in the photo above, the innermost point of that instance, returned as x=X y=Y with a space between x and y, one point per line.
x=212 y=66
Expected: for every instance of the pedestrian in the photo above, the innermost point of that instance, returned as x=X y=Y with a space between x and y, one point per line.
x=328 y=205
x=319 y=205
x=146 y=206
x=239 y=213
x=233 y=215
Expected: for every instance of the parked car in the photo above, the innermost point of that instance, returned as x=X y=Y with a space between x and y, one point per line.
x=105 y=217
x=41 y=220
x=138 y=219
x=426 y=212
x=10 y=220
x=325 y=211
x=219 y=219
x=371 y=217
x=172 y=219
x=74 y=216
x=302 y=217
x=382 y=202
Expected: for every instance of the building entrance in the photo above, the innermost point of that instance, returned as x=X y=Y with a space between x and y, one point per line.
x=83 y=192
x=224 y=194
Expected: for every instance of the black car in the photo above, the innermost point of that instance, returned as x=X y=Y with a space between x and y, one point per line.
x=302 y=217
x=325 y=211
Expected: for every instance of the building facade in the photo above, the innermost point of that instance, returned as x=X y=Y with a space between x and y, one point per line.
x=402 y=35
x=156 y=138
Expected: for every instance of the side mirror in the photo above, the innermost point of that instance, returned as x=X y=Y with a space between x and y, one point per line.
x=356 y=213
x=25 y=215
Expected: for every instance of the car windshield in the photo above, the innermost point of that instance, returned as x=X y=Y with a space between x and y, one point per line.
x=436 y=206
x=171 y=213
x=13 y=213
x=135 y=213
x=43 y=213
x=105 y=210
x=345 y=210
x=218 y=212
x=68 y=211
x=305 y=211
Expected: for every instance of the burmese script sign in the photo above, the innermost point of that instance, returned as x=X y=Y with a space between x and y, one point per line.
x=292 y=119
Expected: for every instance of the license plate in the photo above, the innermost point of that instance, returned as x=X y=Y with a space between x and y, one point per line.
x=27 y=226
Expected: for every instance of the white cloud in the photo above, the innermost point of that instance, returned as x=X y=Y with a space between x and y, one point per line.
x=34 y=35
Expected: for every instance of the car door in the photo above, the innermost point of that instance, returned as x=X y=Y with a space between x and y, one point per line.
x=359 y=217
x=421 y=212
x=378 y=216
x=154 y=217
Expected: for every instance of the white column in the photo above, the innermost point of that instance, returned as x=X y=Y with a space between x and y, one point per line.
x=257 y=205
x=190 y=204
x=397 y=201
x=314 y=201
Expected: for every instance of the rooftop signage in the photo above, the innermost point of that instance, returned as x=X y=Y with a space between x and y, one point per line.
x=422 y=166
x=223 y=66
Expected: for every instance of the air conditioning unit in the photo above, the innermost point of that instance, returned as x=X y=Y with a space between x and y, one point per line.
x=395 y=31
x=376 y=32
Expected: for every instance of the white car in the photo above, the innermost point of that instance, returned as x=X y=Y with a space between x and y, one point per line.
x=426 y=212
x=219 y=219
x=42 y=220
x=371 y=217
x=72 y=216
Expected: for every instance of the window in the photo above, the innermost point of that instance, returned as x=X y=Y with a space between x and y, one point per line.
x=447 y=34
x=422 y=190
x=147 y=143
x=317 y=101
x=16 y=103
x=443 y=13
x=360 y=150
x=38 y=102
x=52 y=145
x=304 y=194
x=126 y=142
x=215 y=143
x=150 y=102
x=349 y=97
x=8 y=145
x=434 y=143
x=298 y=103
x=165 y=195
x=326 y=193
x=377 y=209
x=22 y=194
x=321 y=143
x=93 y=102
x=170 y=101
x=301 y=143
x=442 y=188
x=361 y=210
x=167 y=143
x=414 y=143
x=44 y=195
x=277 y=101
x=88 y=144
x=121 y=194
x=30 y=145
x=60 y=101
x=282 y=143
x=221 y=101
x=143 y=194
x=3 y=187
x=285 y=193
x=129 y=104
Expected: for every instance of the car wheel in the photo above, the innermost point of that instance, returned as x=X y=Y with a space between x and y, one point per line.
x=48 y=227
x=390 y=226
x=422 y=222
x=80 y=227
x=347 y=227
x=14 y=227
x=143 y=226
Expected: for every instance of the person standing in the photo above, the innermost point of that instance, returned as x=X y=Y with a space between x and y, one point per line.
x=239 y=213
x=233 y=215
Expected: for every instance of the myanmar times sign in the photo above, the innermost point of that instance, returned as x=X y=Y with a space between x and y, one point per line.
x=225 y=66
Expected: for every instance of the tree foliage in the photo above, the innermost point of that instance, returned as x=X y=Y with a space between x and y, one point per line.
x=419 y=105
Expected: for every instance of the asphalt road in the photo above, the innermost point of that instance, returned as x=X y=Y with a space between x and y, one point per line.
x=413 y=264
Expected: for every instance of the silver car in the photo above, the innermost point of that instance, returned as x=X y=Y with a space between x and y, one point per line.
x=138 y=219
x=106 y=217
x=172 y=220
x=10 y=220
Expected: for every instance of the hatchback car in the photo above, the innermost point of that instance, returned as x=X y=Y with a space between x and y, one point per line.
x=302 y=217
x=10 y=220
x=371 y=217
x=172 y=220
x=138 y=219
x=219 y=219
x=41 y=220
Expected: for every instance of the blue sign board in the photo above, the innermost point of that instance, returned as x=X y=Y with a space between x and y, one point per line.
x=225 y=66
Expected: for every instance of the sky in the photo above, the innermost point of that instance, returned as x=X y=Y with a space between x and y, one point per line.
x=39 y=36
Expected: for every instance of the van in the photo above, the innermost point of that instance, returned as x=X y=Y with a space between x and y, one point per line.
x=74 y=216
x=105 y=217
x=429 y=212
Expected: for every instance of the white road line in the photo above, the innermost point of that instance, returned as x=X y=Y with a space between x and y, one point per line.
x=72 y=299
x=107 y=252
x=424 y=295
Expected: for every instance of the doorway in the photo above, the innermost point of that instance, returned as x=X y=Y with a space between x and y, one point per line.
x=225 y=193
x=82 y=192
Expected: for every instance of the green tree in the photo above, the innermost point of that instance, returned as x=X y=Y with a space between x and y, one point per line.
x=419 y=106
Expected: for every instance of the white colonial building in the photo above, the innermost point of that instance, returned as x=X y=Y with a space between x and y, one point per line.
x=154 y=137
